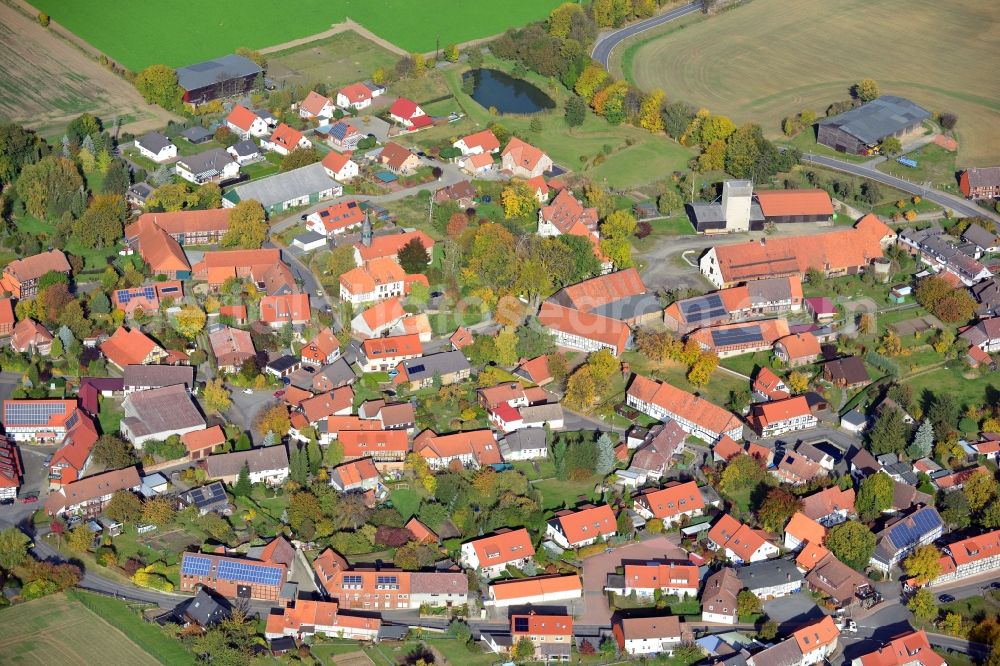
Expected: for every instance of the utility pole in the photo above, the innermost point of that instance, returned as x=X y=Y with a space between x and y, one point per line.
x=437 y=48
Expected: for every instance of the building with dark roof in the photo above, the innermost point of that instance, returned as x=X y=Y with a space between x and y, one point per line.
x=212 y=166
x=146 y=377
x=207 y=499
x=227 y=76
x=771 y=579
x=980 y=183
x=450 y=366
x=899 y=539
x=859 y=130
x=157 y=414
x=232 y=577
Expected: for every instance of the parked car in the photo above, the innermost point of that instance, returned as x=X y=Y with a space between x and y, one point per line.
x=29 y=499
x=248 y=391
x=278 y=394
x=946 y=598
x=309 y=369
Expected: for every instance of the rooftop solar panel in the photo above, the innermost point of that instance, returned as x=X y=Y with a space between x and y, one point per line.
x=704 y=308
x=248 y=573
x=31 y=412
x=520 y=624
x=196 y=566
x=909 y=531
x=736 y=336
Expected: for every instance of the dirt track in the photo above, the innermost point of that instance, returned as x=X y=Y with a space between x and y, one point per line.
x=47 y=81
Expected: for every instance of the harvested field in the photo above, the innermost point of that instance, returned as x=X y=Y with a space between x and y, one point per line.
x=56 y=630
x=769 y=59
x=47 y=82
x=358 y=658
x=337 y=60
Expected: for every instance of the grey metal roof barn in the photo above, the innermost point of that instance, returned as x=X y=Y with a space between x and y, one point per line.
x=878 y=119
x=281 y=187
x=207 y=73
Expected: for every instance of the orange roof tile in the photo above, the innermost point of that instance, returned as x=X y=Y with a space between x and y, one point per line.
x=480 y=444
x=421 y=532
x=461 y=338
x=585 y=324
x=356 y=92
x=804 y=528
x=327 y=404
x=673 y=500
x=367 y=278
x=727 y=448
x=242 y=117
x=588 y=524
x=392 y=346
x=335 y=161
x=360 y=443
x=187 y=221
x=321 y=346
x=766 y=413
x=688 y=406
x=524 y=154
x=203 y=439
x=661 y=575
x=536 y=369
x=816 y=635
x=286 y=137
x=535 y=587
x=356 y=472
x=286 y=308
x=485 y=139
x=503 y=547
x=911 y=649
x=825 y=502
x=314 y=102
x=128 y=347
x=766 y=382
x=541 y=625
x=390 y=245
x=811 y=555
x=384 y=313
x=800 y=345
x=604 y=289
x=780 y=203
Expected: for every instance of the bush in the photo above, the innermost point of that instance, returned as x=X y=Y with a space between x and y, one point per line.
x=43 y=19
x=643 y=229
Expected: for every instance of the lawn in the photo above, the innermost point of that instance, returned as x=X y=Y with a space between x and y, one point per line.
x=950 y=379
x=134 y=34
x=672 y=372
x=406 y=500
x=934 y=164
x=80 y=629
x=936 y=62
x=336 y=61
x=109 y=415
x=557 y=493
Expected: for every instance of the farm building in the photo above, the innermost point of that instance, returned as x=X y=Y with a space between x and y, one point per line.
x=227 y=76
x=298 y=187
x=983 y=183
x=861 y=129
x=740 y=209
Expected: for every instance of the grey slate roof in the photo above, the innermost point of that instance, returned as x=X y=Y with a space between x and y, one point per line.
x=711 y=213
x=153 y=141
x=257 y=460
x=630 y=307
x=158 y=376
x=879 y=118
x=979 y=236
x=983 y=177
x=160 y=410
x=768 y=574
x=141 y=190
x=210 y=161
x=207 y=73
x=444 y=363
x=245 y=148
x=523 y=440
x=205 y=609
x=285 y=186
x=196 y=134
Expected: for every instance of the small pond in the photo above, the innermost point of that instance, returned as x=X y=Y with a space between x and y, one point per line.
x=506 y=94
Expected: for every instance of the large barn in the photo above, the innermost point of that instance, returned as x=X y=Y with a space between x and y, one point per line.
x=861 y=129
x=227 y=76
x=742 y=209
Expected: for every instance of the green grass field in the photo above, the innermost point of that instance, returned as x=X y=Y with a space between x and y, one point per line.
x=338 y=60
x=183 y=32
x=951 y=380
x=769 y=59
x=58 y=629
x=934 y=164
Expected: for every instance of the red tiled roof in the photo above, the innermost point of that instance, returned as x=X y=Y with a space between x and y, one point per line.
x=727 y=448
x=804 y=528
x=361 y=443
x=234 y=311
x=203 y=439
x=403 y=108
x=127 y=347
x=314 y=102
x=480 y=444
x=604 y=289
x=587 y=325
x=911 y=649
x=366 y=278
x=707 y=415
x=503 y=547
x=356 y=92
x=327 y=404
x=335 y=161
x=766 y=382
x=765 y=413
x=825 y=502
x=780 y=203
x=392 y=346
x=485 y=139
x=381 y=314
x=285 y=308
x=800 y=345
x=535 y=587
x=390 y=245
x=242 y=117
x=587 y=524
x=673 y=500
x=286 y=136
x=461 y=338
x=524 y=154
x=816 y=635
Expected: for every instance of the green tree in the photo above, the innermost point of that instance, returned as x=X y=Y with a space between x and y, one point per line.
x=103 y=223
x=874 y=496
x=747 y=604
x=768 y=630
x=852 y=543
x=215 y=397
x=158 y=511
x=954 y=509
x=923 y=441
x=112 y=452
x=505 y=346
x=460 y=631
x=50 y=187
x=118 y=178
x=943 y=413
x=14 y=546
x=605 y=456
x=298 y=158
x=979 y=489
x=209 y=196
x=777 y=508
x=172 y=197
x=923 y=606
x=891 y=146
x=741 y=474
x=865 y=90
x=242 y=487
x=158 y=85
x=889 y=434
x=924 y=563
x=413 y=256
x=80 y=538
x=247 y=225
x=576 y=111
x=18 y=148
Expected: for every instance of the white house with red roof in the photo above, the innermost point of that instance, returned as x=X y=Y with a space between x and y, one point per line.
x=769 y=386
x=357 y=96
x=277 y=311
x=970 y=557
x=770 y=419
x=739 y=542
x=566 y=215
x=409 y=114
x=340 y=166
x=582 y=527
x=285 y=139
x=491 y=555
x=478 y=143
x=523 y=160
x=336 y=219
x=317 y=106
x=584 y=331
x=671 y=504
x=245 y=123
x=644 y=578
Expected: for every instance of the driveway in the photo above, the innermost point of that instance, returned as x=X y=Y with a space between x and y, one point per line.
x=596 y=569
x=793 y=610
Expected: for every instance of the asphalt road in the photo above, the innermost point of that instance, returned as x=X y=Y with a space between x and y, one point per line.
x=958 y=204
x=606 y=44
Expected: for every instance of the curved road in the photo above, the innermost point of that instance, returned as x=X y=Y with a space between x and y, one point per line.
x=606 y=44
x=961 y=206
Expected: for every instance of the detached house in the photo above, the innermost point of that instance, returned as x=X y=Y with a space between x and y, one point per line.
x=718 y=601
x=382 y=354
x=798 y=349
x=343 y=136
x=671 y=578
x=359 y=475
x=21 y=276
x=308 y=618
x=377 y=280
x=409 y=114
x=829 y=507
x=131 y=347
x=340 y=166
x=566 y=215
x=88 y=496
x=770 y=419
x=902 y=537
x=523 y=160
x=336 y=219
x=812 y=644
x=647 y=636
x=582 y=527
x=738 y=542
x=357 y=96
x=212 y=166
x=448 y=367
x=245 y=123
x=478 y=143
x=398 y=159
x=769 y=386
x=231 y=347
x=316 y=106
x=771 y=579
x=695 y=415
x=266 y=465
x=985 y=335
x=278 y=311
x=322 y=349
x=30 y=337
x=980 y=183
x=911 y=649
x=491 y=555
x=378 y=319
x=672 y=504
x=156 y=147
x=285 y=139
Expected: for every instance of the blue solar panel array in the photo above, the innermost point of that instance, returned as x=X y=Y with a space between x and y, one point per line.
x=244 y=572
x=126 y=295
x=196 y=566
x=31 y=413
x=706 y=308
x=909 y=531
x=736 y=336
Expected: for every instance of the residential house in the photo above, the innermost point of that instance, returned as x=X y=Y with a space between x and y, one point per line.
x=212 y=166
x=137 y=194
x=769 y=386
x=88 y=496
x=797 y=470
x=343 y=136
x=340 y=166
x=389 y=246
x=322 y=350
x=671 y=504
x=266 y=465
x=526 y=444
x=829 y=507
x=39 y=421
x=969 y=557
x=582 y=527
x=210 y=498
x=146 y=299
x=356 y=96
x=187 y=227
x=308 y=618
x=809 y=645
x=409 y=114
x=484 y=141
x=566 y=215
x=770 y=419
x=376 y=280
x=390 y=416
x=155 y=146
x=912 y=649
x=245 y=123
x=584 y=331
x=232 y=348
x=20 y=277
x=845 y=252
x=336 y=219
x=339 y=402
x=285 y=139
x=728 y=340
x=678 y=579
x=798 y=349
x=752 y=300
x=359 y=475
x=537 y=590
x=523 y=160
x=387 y=448
x=30 y=337
x=802 y=529
x=378 y=319
x=131 y=347
x=466 y=449
x=771 y=579
x=382 y=354
x=718 y=600
x=398 y=159
x=201 y=443
x=980 y=183
x=982 y=239
x=477 y=165
x=461 y=338
x=279 y=311
x=277 y=193
x=232 y=577
x=535 y=370
x=831 y=577
x=551 y=635
x=984 y=334
x=161 y=253
x=738 y=542
x=491 y=555
x=335 y=375
x=647 y=636
x=449 y=367
x=695 y=415
x=462 y=193
x=848 y=372
x=900 y=538
x=316 y=106
x=71 y=460
x=375 y=587
x=156 y=414
x=11 y=469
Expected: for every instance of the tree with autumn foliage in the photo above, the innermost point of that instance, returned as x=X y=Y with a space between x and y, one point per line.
x=649 y=111
x=274 y=419
x=518 y=200
x=924 y=563
x=581 y=389
x=777 y=508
